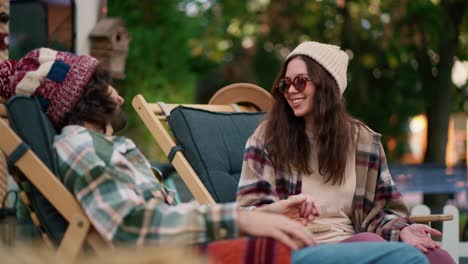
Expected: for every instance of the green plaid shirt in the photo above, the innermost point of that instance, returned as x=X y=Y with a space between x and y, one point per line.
x=114 y=184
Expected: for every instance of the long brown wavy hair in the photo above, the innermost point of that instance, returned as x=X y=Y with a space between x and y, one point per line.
x=285 y=134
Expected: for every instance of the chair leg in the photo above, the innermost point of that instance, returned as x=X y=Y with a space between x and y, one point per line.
x=73 y=239
x=96 y=241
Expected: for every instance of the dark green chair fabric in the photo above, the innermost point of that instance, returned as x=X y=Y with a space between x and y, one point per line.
x=213 y=144
x=31 y=124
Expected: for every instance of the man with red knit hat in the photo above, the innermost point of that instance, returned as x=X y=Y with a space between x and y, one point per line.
x=114 y=184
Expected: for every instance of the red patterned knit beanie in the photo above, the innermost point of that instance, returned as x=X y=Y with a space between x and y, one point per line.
x=59 y=77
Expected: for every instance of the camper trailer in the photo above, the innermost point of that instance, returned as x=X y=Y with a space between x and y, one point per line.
x=59 y=24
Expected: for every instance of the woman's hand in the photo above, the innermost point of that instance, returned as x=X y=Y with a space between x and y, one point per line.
x=301 y=207
x=287 y=231
x=417 y=235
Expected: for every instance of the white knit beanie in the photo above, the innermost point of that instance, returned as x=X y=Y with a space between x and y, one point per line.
x=334 y=60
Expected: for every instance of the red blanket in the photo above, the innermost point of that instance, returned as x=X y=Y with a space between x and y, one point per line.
x=248 y=250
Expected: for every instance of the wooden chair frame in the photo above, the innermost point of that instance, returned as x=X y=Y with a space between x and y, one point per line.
x=153 y=116
x=239 y=97
x=79 y=229
x=238 y=93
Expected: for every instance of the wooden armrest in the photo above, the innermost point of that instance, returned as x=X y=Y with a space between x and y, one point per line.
x=431 y=218
x=318 y=228
x=3 y=112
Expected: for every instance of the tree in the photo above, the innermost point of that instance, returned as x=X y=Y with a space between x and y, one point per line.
x=158 y=64
x=436 y=45
x=401 y=52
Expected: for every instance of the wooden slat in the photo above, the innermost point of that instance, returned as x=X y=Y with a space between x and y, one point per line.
x=73 y=238
x=3 y=177
x=3 y=112
x=35 y=219
x=25 y=199
x=166 y=142
x=47 y=241
x=244 y=93
x=40 y=175
x=97 y=242
x=431 y=218
x=155 y=108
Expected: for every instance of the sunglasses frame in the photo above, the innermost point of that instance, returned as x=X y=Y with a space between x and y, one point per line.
x=299 y=82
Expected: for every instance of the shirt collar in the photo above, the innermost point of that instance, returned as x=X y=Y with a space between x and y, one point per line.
x=121 y=144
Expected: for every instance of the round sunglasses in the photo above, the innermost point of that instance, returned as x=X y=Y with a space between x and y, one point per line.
x=299 y=83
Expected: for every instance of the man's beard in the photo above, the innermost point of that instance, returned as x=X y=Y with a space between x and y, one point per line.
x=119 y=121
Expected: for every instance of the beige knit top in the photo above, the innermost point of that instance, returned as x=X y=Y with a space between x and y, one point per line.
x=335 y=200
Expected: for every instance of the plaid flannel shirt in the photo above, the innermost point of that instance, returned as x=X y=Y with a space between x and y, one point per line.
x=115 y=186
x=378 y=206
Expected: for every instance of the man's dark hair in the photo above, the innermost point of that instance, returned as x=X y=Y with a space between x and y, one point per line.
x=95 y=105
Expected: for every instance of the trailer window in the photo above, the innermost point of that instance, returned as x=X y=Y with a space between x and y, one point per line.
x=45 y=23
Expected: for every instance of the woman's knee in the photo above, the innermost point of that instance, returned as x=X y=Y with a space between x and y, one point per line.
x=439 y=255
x=404 y=253
x=363 y=237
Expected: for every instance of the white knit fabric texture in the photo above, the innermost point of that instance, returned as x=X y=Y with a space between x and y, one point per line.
x=32 y=79
x=331 y=57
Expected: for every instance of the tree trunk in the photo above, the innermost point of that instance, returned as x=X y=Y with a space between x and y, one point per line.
x=438 y=109
x=359 y=77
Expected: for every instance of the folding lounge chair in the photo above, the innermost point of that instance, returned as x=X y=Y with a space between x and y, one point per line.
x=208 y=141
x=233 y=116
x=26 y=139
x=253 y=97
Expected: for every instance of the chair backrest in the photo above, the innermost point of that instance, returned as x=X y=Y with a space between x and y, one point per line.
x=30 y=123
x=155 y=116
x=213 y=143
x=243 y=93
x=53 y=208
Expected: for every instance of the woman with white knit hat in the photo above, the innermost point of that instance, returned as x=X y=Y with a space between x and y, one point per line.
x=309 y=145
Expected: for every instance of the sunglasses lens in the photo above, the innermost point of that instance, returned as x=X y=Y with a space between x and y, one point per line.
x=300 y=83
x=283 y=85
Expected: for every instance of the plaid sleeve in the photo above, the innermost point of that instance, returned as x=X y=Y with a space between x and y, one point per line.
x=256 y=184
x=390 y=212
x=121 y=213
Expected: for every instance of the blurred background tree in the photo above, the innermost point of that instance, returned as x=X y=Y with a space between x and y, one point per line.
x=402 y=53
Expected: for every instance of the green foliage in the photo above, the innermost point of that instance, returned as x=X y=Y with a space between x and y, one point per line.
x=177 y=43
x=158 y=59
